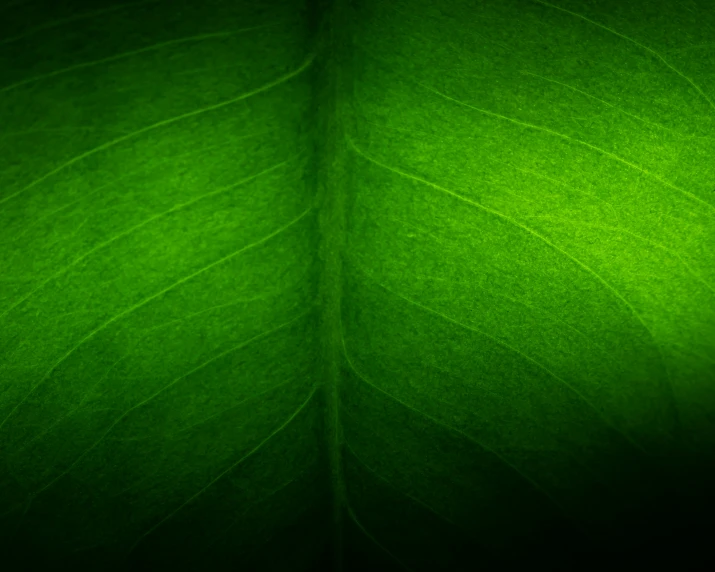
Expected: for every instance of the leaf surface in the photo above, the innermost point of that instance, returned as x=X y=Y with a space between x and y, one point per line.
x=355 y=285
x=158 y=357
x=529 y=290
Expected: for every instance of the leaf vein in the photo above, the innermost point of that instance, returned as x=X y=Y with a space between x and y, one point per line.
x=604 y=152
x=145 y=301
x=532 y=232
x=501 y=458
x=643 y=46
x=226 y=471
x=276 y=82
x=128 y=54
x=528 y=358
x=135 y=228
x=377 y=543
x=408 y=495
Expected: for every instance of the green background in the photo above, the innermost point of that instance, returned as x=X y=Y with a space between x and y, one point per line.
x=356 y=284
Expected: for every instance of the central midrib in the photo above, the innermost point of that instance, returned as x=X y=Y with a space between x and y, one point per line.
x=329 y=116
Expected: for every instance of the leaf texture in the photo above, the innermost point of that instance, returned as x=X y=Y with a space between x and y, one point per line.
x=356 y=285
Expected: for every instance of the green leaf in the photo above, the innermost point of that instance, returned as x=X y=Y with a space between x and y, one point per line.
x=356 y=284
